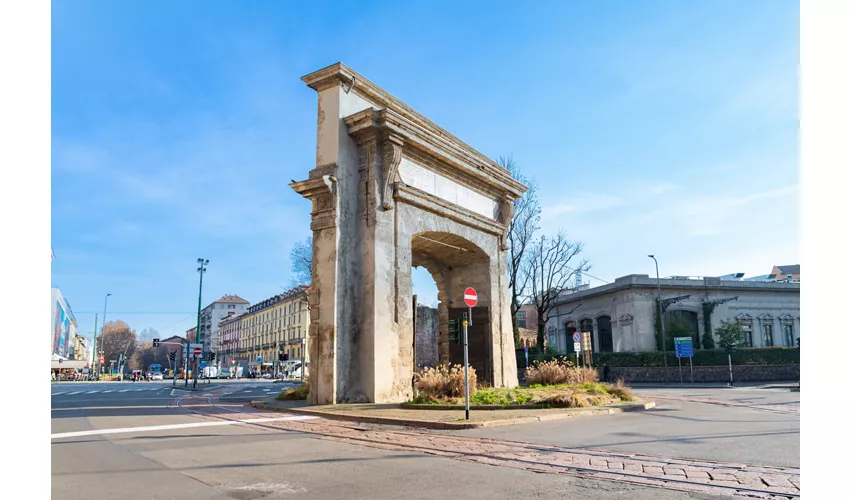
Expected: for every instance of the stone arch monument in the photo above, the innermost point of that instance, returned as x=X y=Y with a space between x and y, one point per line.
x=391 y=190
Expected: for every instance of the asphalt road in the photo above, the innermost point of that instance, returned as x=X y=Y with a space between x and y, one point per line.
x=184 y=456
x=760 y=427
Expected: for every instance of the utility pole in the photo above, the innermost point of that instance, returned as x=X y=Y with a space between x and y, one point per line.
x=201 y=269
x=94 y=349
x=661 y=316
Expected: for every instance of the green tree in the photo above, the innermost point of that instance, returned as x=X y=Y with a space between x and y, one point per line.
x=730 y=333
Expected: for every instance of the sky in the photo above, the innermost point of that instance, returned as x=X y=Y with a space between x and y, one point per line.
x=662 y=127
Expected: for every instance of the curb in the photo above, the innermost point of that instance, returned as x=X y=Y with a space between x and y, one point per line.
x=457 y=425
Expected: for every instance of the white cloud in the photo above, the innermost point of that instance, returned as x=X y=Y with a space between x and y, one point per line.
x=584 y=203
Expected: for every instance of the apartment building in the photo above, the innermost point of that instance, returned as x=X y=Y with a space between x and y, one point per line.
x=276 y=325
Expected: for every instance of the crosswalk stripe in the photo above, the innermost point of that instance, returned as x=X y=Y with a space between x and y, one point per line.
x=110 y=390
x=57 y=393
x=124 y=390
x=92 y=392
x=72 y=393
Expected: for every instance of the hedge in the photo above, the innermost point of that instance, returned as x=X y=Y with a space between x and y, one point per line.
x=702 y=357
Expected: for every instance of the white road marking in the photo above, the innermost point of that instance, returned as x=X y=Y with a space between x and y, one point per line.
x=124 y=390
x=150 y=428
x=72 y=393
x=110 y=390
x=92 y=392
x=57 y=393
x=246 y=391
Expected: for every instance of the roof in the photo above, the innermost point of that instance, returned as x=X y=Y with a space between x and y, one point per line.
x=793 y=269
x=232 y=299
x=702 y=285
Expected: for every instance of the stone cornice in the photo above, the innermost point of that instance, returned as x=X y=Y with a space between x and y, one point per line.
x=418 y=129
x=433 y=150
x=426 y=201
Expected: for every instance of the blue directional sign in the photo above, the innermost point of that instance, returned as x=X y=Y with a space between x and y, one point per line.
x=684 y=347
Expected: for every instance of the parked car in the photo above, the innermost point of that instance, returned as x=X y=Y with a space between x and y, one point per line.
x=156 y=376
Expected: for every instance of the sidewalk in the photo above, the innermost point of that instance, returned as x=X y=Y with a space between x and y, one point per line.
x=716 y=385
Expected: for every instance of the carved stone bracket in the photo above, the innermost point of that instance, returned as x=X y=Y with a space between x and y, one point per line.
x=391 y=160
x=506 y=215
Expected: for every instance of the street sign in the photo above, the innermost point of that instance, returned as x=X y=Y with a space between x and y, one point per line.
x=576 y=337
x=577 y=346
x=470 y=296
x=684 y=347
x=197 y=351
x=259 y=359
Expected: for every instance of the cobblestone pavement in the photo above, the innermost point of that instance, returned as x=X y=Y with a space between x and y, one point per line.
x=778 y=407
x=714 y=478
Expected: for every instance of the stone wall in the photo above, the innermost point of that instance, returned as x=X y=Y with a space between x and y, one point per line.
x=426 y=353
x=742 y=373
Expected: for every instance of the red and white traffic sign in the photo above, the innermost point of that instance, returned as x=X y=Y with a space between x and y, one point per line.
x=470 y=296
x=197 y=351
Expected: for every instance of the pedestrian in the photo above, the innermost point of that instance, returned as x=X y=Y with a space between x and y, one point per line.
x=606 y=371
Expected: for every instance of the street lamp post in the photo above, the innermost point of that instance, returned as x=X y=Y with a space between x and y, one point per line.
x=661 y=316
x=201 y=269
x=103 y=329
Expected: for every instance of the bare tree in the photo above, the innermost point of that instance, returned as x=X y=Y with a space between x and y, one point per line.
x=524 y=224
x=550 y=271
x=302 y=262
x=117 y=338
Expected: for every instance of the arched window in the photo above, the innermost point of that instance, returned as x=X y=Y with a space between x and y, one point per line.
x=570 y=328
x=586 y=328
x=606 y=337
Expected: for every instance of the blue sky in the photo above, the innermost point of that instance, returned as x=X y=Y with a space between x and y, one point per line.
x=663 y=127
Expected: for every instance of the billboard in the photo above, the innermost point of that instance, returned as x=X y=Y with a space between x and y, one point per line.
x=61 y=330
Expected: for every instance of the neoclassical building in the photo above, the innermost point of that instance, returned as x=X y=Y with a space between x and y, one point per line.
x=274 y=325
x=620 y=316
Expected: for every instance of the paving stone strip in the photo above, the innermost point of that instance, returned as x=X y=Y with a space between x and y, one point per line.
x=717 y=478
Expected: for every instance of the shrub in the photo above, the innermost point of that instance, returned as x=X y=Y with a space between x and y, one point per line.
x=444 y=381
x=559 y=371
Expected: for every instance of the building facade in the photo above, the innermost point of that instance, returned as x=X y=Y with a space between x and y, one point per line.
x=211 y=317
x=277 y=324
x=620 y=317
x=527 y=321
x=231 y=338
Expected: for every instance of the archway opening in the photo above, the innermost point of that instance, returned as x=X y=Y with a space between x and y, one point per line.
x=455 y=263
x=682 y=323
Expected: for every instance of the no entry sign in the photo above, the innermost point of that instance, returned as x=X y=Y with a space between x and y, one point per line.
x=470 y=296
x=197 y=351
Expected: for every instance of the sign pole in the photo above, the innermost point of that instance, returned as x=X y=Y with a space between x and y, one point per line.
x=681 y=381
x=470 y=298
x=466 y=364
x=730 y=370
x=691 y=361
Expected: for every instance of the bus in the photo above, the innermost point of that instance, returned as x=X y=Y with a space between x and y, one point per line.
x=155 y=368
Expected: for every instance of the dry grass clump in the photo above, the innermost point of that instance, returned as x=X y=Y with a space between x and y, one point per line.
x=296 y=394
x=621 y=390
x=559 y=371
x=444 y=382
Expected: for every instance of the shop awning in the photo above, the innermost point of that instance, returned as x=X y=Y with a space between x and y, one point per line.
x=67 y=365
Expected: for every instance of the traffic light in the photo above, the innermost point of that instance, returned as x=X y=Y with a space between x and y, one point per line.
x=283 y=356
x=728 y=349
x=454 y=331
x=798 y=341
x=172 y=356
x=212 y=356
x=156 y=342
